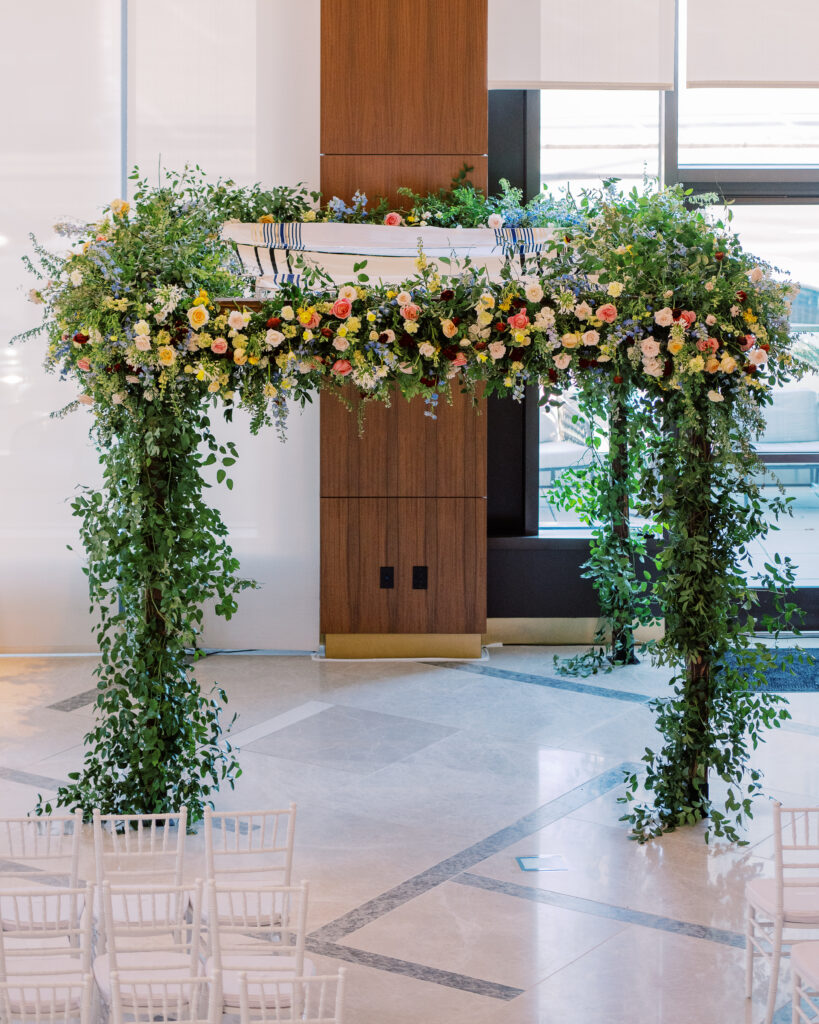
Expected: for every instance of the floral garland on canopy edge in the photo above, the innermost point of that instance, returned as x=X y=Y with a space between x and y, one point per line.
x=641 y=295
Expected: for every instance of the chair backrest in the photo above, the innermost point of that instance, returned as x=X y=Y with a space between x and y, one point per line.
x=155 y=917
x=796 y=847
x=129 y=847
x=257 y=844
x=47 y=926
x=241 y=915
x=267 y=998
x=46 y=1002
x=194 y=1000
x=48 y=845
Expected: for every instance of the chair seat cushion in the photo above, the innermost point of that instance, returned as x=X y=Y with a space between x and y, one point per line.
x=26 y=997
x=801 y=904
x=160 y=965
x=276 y=966
x=805 y=959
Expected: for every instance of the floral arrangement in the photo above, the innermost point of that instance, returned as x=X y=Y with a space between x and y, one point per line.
x=657 y=315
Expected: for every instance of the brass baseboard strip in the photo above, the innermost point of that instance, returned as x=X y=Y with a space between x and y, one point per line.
x=402 y=645
x=556 y=631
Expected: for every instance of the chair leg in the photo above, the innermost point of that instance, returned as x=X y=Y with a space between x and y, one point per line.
x=776 y=956
x=796 y=995
x=750 y=918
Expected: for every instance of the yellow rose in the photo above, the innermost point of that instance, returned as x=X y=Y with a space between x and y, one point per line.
x=308 y=217
x=570 y=340
x=696 y=365
x=166 y=355
x=240 y=357
x=270 y=391
x=213 y=387
x=487 y=300
x=728 y=364
x=119 y=207
x=675 y=346
x=615 y=289
x=484 y=319
x=198 y=316
x=712 y=364
x=266 y=218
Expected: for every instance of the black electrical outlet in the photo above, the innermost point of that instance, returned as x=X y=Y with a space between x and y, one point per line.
x=420 y=574
x=386 y=576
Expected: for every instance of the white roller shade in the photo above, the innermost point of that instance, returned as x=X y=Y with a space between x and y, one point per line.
x=581 y=44
x=752 y=43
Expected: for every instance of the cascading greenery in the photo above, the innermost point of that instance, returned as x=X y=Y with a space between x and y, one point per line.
x=671 y=336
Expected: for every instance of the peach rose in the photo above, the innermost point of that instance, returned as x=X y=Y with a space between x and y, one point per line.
x=219 y=346
x=342 y=308
x=607 y=312
x=711 y=364
x=236 y=321
x=393 y=219
x=562 y=360
x=664 y=317
x=675 y=346
x=459 y=360
x=518 y=321
x=591 y=338
x=410 y=311
x=758 y=357
x=83 y=364
x=449 y=329
x=142 y=343
x=342 y=367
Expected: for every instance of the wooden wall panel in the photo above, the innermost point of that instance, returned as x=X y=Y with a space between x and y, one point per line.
x=402 y=453
x=414 y=71
x=359 y=535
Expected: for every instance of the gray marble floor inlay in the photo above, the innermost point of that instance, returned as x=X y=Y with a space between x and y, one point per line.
x=419 y=971
x=581 y=905
x=28 y=779
x=553 y=682
x=351 y=739
x=465 y=859
x=79 y=700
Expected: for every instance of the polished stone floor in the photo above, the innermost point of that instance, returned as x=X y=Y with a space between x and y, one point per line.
x=419 y=784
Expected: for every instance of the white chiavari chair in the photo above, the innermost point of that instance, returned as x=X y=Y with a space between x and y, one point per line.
x=254 y=844
x=39 y=851
x=150 y=935
x=45 y=952
x=35 y=1001
x=789 y=900
x=256 y=928
x=266 y=998
x=132 y=848
x=194 y=1000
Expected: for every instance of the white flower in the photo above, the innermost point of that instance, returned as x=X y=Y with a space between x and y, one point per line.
x=340 y=344
x=141 y=327
x=426 y=349
x=403 y=298
x=533 y=292
x=75 y=277
x=715 y=396
x=273 y=339
x=582 y=311
x=495 y=221
x=664 y=317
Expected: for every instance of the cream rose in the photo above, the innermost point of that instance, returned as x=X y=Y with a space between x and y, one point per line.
x=664 y=317
x=198 y=316
x=533 y=292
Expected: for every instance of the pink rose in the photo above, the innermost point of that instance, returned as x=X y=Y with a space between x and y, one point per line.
x=562 y=360
x=313 y=322
x=712 y=344
x=236 y=321
x=750 y=340
x=410 y=311
x=342 y=308
x=688 y=316
x=459 y=360
x=83 y=364
x=664 y=317
x=591 y=338
x=703 y=345
x=393 y=219
x=219 y=346
x=650 y=348
x=757 y=357
x=342 y=367
x=518 y=321
x=142 y=343
x=607 y=313
x=497 y=350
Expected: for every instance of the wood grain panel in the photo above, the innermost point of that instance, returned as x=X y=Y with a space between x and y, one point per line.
x=411 y=71
x=402 y=452
x=381 y=175
x=359 y=535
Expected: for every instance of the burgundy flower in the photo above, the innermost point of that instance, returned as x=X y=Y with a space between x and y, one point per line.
x=326 y=332
x=80 y=338
x=719 y=256
x=516 y=354
x=480 y=345
x=741 y=296
x=618 y=379
x=274 y=321
x=447 y=294
x=500 y=328
x=428 y=382
x=456 y=320
x=518 y=302
x=553 y=375
x=449 y=352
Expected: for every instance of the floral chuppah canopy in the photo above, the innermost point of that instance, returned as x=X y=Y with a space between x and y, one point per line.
x=662 y=322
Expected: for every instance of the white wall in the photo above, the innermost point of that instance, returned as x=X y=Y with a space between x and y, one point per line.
x=229 y=101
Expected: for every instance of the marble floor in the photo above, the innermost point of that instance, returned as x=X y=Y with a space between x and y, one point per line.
x=419 y=784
